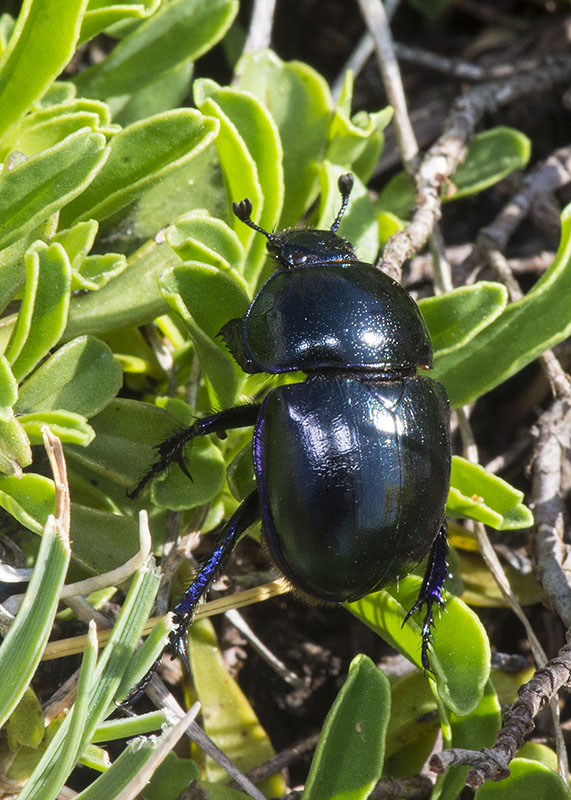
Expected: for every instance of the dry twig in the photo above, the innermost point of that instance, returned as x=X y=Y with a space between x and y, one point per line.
x=492 y=763
x=548 y=176
x=447 y=152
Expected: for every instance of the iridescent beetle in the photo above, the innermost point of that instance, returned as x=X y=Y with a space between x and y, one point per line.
x=352 y=464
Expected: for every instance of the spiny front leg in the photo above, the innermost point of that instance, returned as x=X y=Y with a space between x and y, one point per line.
x=245 y=515
x=431 y=591
x=172 y=449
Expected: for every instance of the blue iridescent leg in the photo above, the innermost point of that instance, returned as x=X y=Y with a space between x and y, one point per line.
x=245 y=515
x=172 y=449
x=431 y=591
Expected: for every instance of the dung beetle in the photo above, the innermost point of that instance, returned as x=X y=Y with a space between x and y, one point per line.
x=352 y=464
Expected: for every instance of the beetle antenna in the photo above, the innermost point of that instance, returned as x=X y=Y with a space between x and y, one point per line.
x=345 y=185
x=243 y=210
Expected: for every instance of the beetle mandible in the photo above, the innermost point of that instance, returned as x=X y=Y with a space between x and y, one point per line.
x=352 y=464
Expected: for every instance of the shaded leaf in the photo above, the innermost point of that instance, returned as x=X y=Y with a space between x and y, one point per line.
x=349 y=757
x=228 y=717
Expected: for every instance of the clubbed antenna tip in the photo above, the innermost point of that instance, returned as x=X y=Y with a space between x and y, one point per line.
x=345 y=184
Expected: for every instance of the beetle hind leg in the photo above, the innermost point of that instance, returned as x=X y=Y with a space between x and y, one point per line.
x=245 y=515
x=431 y=591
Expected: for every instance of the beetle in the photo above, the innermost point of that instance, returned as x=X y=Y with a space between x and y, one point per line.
x=352 y=464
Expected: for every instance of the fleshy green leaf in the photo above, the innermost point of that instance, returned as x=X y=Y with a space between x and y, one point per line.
x=70 y=428
x=88 y=272
x=457 y=316
x=397 y=197
x=180 y=31
x=171 y=778
x=24 y=643
x=389 y=224
x=300 y=103
x=124 y=447
x=523 y=331
x=413 y=725
x=206 y=298
x=492 y=155
x=28 y=499
x=228 y=717
x=15 y=450
x=139 y=156
x=461 y=666
x=249 y=147
x=26 y=724
x=527 y=779
x=43 y=313
x=168 y=90
x=132 y=298
x=356 y=143
x=349 y=757
x=197 y=237
x=478 y=494
x=104 y=13
x=8 y=387
x=36 y=188
x=473 y=731
x=82 y=376
x=41 y=44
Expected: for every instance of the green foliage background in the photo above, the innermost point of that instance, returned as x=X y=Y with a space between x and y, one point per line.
x=115 y=213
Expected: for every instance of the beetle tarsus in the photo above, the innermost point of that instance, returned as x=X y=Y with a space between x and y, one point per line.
x=137 y=692
x=431 y=592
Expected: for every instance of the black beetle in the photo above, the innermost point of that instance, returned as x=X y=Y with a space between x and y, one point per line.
x=352 y=465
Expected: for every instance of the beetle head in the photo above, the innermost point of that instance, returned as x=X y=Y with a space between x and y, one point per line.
x=294 y=248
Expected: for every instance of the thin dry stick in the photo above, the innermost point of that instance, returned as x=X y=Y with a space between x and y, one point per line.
x=552 y=554
x=378 y=24
x=260 y=31
x=551 y=174
x=444 y=156
x=283 y=759
x=162 y=698
x=376 y=20
x=495 y=567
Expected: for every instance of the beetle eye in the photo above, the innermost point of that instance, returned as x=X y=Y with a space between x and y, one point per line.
x=299 y=258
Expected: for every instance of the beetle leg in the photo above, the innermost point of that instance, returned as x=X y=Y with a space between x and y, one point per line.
x=431 y=591
x=245 y=515
x=172 y=449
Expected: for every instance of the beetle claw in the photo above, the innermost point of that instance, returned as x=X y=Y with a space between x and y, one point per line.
x=431 y=592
